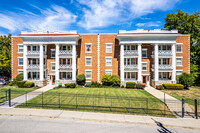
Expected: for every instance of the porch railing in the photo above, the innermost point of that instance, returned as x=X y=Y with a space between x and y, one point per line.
x=165 y=66
x=130 y=52
x=66 y=66
x=164 y=52
x=65 y=52
x=130 y=67
x=33 y=66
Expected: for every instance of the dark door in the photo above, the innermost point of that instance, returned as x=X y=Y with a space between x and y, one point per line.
x=53 y=79
x=144 y=80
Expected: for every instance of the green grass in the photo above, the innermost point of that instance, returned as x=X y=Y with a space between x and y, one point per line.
x=101 y=101
x=15 y=92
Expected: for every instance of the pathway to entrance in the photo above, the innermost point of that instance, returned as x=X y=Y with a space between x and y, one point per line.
x=174 y=105
x=21 y=99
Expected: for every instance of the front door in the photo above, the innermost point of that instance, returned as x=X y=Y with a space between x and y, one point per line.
x=53 y=79
x=144 y=80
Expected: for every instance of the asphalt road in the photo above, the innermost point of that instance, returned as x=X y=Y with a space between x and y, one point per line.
x=20 y=124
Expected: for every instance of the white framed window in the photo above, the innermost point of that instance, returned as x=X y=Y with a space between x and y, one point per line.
x=20 y=61
x=20 y=48
x=179 y=61
x=88 y=74
x=88 y=48
x=144 y=66
x=66 y=75
x=179 y=72
x=53 y=53
x=163 y=75
x=88 y=61
x=129 y=61
x=108 y=61
x=53 y=66
x=163 y=47
x=129 y=47
x=20 y=71
x=109 y=72
x=144 y=53
x=108 y=47
x=163 y=61
x=130 y=75
x=179 y=48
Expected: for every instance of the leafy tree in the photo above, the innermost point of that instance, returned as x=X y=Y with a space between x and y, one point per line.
x=187 y=23
x=186 y=79
x=80 y=79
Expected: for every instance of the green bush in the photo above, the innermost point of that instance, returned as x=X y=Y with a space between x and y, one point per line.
x=140 y=86
x=20 y=83
x=111 y=80
x=96 y=84
x=29 y=84
x=70 y=85
x=130 y=84
x=122 y=86
x=20 y=77
x=80 y=79
x=173 y=86
x=10 y=84
x=187 y=80
x=159 y=87
x=92 y=86
x=116 y=80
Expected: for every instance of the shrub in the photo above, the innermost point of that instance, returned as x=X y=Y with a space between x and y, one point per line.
x=116 y=80
x=10 y=84
x=20 y=83
x=140 y=86
x=107 y=80
x=96 y=84
x=59 y=85
x=70 y=85
x=173 y=86
x=130 y=84
x=92 y=86
x=20 y=77
x=122 y=86
x=80 y=79
x=29 y=84
x=159 y=87
x=187 y=80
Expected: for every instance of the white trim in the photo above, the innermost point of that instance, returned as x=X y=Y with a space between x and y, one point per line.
x=88 y=57
x=20 y=70
x=87 y=70
x=51 y=66
x=88 y=43
x=90 y=47
x=181 y=60
x=98 y=58
x=179 y=43
x=146 y=67
x=109 y=57
x=108 y=70
x=179 y=71
x=22 y=48
x=20 y=44
x=106 y=47
x=181 y=48
x=18 y=61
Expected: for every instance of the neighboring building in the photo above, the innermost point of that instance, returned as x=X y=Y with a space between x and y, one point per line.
x=150 y=57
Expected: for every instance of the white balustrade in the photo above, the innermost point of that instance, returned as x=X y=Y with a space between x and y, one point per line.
x=65 y=66
x=33 y=52
x=33 y=66
x=165 y=66
x=164 y=52
x=130 y=67
x=65 y=52
x=130 y=52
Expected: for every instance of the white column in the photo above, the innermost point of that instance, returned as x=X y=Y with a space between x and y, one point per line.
x=25 y=62
x=57 y=62
x=74 y=62
x=41 y=62
x=122 y=62
x=173 y=63
x=139 y=63
x=156 y=62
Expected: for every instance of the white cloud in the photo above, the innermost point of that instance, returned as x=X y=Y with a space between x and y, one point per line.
x=53 y=18
x=149 y=24
x=102 y=13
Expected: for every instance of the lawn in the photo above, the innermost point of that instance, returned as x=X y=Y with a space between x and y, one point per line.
x=114 y=100
x=188 y=95
x=15 y=92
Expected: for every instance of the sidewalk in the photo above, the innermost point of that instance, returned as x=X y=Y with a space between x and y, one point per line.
x=21 y=99
x=173 y=104
x=190 y=123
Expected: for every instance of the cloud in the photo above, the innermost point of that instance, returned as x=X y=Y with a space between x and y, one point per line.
x=149 y=24
x=102 y=13
x=53 y=18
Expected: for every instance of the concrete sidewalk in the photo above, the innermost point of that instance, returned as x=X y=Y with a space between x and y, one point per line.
x=189 y=123
x=174 y=105
x=21 y=99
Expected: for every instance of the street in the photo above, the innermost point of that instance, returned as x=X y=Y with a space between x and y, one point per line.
x=21 y=124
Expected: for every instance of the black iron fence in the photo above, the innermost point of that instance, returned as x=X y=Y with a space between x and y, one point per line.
x=102 y=103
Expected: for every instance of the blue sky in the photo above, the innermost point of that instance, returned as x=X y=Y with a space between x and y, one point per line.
x=88 y=16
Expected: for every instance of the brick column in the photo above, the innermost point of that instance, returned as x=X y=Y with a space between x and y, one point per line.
x=74 y=62
x=25 y=62
x=173 y=63
x=57 y=62
x=156 y=62
x=41 y=62
x=122 y=62
x=139 y=63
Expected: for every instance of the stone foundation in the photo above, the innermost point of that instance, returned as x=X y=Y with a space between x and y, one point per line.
x=39 y=83
x=156 y=83
x=64 y=82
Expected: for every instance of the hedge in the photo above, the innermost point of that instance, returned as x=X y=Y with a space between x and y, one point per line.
x=80 y=79
x=159 y=87
x=29 y=84
x=130 y=84
x=70 y=85
x=20 y=83
x=173 y=86
x=140 y=86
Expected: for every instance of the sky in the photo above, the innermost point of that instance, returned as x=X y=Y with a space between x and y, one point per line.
x=88 y=16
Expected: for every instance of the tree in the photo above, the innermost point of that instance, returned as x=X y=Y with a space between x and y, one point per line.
x=187 y=80
x=187 y=24
x=5 y=55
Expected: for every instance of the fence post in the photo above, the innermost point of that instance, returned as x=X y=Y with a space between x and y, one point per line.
x=26 y=98
x=42 y=99
x=129 y=104
x=147 y=105
x=93 y=102
x=6 y=95
x=196 y=108
x=59 y=99
x=76 y=101
x=111 y=103
x=9 y=97
x=183 y=110
x=164 y=105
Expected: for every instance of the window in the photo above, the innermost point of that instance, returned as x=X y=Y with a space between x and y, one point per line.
x=20 y=48
x=129 y=61
x=64 y=47
x=35 y=48
x=69 y=47
x=88 y=61
x=163 y=61
x=144 y=53
x=179 y=72
x=108 y=48
x=88 y=74
x=53 y=53
x=109 y=72
x=129 y=47
x=35 y=61
x=20 y=71
x=69 y=61
x=163 y=47
x=20 y=62
x=53 y=66
x=63 y=61
x=108 y=61
x=144 y=66
x=179 y=48
x=88 y=48
x=130 y=75
x=163 y=75
x=178 y=61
